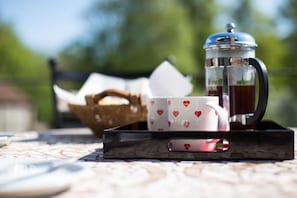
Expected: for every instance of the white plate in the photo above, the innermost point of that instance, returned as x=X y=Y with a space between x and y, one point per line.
x=39 y=178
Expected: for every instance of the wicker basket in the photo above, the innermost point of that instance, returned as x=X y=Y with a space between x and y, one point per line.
x=99 y=117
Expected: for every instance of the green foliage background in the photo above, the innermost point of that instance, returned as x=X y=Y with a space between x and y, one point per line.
x=137 y=35
x=25 y=69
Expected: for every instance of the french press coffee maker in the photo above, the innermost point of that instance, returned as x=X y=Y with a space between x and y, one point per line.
x=230 y=73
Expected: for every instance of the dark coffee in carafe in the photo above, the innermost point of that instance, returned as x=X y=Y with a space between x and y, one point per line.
x=242 y=99
x=215 y=91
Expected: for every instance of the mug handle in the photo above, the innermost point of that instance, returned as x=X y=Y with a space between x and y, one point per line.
x=223 y=121
x=263 y=91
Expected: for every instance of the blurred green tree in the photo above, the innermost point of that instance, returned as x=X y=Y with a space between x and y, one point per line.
x=25 y=69
x=288 y=14
x=202 y=15
x=138 y=35
x=287 y=102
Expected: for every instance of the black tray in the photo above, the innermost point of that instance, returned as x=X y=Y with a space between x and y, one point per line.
x=269 y=141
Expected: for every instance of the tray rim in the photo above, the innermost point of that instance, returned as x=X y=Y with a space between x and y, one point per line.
x=125 y=129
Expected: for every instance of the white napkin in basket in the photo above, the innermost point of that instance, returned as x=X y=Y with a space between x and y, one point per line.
x=165 y=80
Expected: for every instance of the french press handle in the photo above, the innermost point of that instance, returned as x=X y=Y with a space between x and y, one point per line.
x=263 y=91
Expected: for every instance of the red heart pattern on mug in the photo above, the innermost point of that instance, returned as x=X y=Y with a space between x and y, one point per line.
x=168 y=102
x=152 y=121
x=198 y=113
x=175 y=113
x=186 y=123
x=152 y=102
x=160 y=111
x=186 y=103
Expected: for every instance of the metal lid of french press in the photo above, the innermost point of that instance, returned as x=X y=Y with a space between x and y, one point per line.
x=230 y=39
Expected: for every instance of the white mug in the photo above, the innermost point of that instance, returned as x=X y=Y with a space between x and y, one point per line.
x=157 y=116
x=196 y=113
x=193 y=113
x=201 y=113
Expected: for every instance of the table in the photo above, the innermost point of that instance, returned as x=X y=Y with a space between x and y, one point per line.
x=153 y=178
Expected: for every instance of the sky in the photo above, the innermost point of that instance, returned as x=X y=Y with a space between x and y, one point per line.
x=46 y=25
x=50 y=25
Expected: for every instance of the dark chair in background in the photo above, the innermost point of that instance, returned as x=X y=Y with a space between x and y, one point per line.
x=66 y=119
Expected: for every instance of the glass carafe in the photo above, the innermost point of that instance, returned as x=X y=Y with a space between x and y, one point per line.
x=231 y=70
